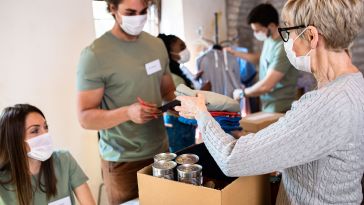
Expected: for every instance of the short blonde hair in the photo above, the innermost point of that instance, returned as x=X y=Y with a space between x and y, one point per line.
x=339 y=21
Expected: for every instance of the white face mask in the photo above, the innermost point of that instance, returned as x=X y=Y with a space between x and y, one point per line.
x=260 y=36
x=41 y=147
x=133 y=25
x=184 y=56
x=302 y=63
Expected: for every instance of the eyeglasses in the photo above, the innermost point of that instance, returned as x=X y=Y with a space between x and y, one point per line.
x=284 y=32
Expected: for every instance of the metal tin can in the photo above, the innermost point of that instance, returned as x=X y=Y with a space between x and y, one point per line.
x=164 y=156
x=187 y=159
x=190 y=174
x=164 y=169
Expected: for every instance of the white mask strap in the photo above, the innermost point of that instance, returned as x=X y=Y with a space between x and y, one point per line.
x=309 y=52
x=300 y=34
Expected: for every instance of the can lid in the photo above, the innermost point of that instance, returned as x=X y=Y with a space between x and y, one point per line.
x=187 y=159
x=164 y=164
x=165 y=156
x=189 y=168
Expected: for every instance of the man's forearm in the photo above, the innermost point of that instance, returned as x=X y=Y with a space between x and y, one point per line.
x=97 y=119
x=169 y=96
x=250 y=57
x=256 y=90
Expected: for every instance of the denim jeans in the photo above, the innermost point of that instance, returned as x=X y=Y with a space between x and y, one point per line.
x=179 y=135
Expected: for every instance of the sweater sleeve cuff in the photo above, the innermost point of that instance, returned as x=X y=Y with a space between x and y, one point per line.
x=203 y=117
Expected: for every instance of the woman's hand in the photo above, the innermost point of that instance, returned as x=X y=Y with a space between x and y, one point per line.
x=190 y=106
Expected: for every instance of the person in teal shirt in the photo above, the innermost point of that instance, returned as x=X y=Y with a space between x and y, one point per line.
x=277 y=77
x=31 y=172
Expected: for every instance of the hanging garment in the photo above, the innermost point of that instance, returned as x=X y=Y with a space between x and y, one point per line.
x=221 y=69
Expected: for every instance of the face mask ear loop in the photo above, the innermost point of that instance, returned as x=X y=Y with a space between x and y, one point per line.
x=308 y=53
x=300 y=34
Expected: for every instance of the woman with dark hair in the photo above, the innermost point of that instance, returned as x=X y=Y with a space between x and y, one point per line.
x=179 y=135
x=178 y=54
x=30 y=171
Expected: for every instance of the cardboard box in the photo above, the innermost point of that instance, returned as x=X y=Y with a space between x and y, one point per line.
x=252 y=190
x=260 y=120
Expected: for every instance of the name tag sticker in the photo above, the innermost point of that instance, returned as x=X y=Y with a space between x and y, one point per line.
x=153 y=67
x=64 y=201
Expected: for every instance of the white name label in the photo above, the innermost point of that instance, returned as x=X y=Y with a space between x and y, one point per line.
x=153 y=67
x=64 y=201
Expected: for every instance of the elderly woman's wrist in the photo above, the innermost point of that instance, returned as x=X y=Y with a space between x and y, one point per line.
x=200 y=113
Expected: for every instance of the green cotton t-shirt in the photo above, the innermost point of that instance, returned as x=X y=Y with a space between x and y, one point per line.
x=273 y=56
x=120 y=68
x=69 y=176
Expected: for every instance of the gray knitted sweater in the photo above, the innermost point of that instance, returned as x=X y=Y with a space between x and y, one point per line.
x=319 y=145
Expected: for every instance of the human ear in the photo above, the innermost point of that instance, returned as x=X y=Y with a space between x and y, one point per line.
x=113 y=9
x=313 y=36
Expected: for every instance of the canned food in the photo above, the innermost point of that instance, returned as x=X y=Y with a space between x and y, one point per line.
x=164 y=156
x=164 y=169
x=187 y=159
x=190 y=174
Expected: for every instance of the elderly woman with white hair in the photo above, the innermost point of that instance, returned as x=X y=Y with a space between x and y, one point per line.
x=319 y=143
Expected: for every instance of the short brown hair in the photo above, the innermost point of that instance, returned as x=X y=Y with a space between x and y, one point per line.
x=337 y=20
x=117 y=2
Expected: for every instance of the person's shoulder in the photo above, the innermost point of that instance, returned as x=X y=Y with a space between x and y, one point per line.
x=278 y=45
x=149 y=37
x=100 y=44
x=152 y=39
x=352 y=85
x=62 y=156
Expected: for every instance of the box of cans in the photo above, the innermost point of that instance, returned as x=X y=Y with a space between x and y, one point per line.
x=187 y=170
x=197 y=179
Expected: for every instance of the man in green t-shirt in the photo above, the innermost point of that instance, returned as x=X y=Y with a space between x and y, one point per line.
x=122 y=78
x=277 y=77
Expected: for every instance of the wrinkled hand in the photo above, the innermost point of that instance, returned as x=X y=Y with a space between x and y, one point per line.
x=237 y=94
x=190 y=106
x=142 y=113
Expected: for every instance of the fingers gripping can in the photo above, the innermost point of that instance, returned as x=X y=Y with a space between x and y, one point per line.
x=164 y=169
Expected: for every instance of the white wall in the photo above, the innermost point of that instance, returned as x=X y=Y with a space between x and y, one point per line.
x=40 y=46
x=172 y=18
x=183 y=18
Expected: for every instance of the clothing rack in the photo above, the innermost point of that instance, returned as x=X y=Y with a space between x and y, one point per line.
x=217 y=45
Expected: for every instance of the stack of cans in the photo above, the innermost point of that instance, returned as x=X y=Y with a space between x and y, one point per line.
x=163 y=166
x=187 y=171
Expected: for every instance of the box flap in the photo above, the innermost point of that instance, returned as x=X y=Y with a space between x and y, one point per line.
x=252 y=190
x=258 y=121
